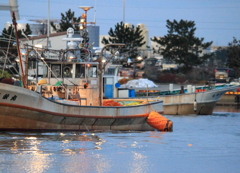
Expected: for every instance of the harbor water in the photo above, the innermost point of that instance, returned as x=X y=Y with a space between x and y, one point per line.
x=197 y=144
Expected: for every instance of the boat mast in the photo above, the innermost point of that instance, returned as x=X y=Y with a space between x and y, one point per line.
x=48 y=24
x=18 y=49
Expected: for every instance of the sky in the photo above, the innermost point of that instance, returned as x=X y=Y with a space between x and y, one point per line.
x=215 y=20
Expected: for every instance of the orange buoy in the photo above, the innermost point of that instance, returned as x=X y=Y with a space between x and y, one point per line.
x=159 y=122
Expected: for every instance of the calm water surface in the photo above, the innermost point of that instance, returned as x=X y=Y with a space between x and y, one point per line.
x=198 y=144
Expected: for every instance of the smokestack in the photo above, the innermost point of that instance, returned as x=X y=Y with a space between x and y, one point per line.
x=14 y=7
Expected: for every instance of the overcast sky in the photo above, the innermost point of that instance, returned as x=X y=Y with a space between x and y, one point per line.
x=216 y=20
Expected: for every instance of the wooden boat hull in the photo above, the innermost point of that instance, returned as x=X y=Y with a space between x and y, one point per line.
x=200 y=103
x=22 y=109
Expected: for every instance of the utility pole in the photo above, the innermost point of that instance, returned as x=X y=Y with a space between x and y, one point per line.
x=124 y=3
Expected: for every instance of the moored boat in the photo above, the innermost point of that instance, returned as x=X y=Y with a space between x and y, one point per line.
x=199 y=100
x=23 y=109
x=199 y=103
x=69 y=97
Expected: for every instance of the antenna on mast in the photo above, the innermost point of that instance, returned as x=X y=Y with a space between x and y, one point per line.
x=48 y=24
x=95 y=11
x=124 y=4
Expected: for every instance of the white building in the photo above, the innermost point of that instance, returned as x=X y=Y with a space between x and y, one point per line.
x=36 y=28
x=54 y=42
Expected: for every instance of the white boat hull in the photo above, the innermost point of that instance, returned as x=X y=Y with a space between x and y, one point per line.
x=200 y=103
x=22 y=109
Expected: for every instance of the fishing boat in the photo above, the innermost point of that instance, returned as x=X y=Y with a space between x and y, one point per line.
x=24 y=109
x=70 y=97
x=199 y=100
x=177 y=100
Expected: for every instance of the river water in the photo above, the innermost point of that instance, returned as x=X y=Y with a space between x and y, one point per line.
x=197 y=144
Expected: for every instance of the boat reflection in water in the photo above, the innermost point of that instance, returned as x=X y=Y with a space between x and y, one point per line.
x=197 y=140
x=227 y=108
x=66 y=152
x=38 y=152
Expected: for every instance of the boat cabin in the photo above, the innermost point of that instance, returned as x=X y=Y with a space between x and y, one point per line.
x=71 y=81
x=72 y=73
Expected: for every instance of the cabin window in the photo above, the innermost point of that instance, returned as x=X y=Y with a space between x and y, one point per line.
x=56 y=70
x=80 y=71
x=92 y=71
x=31 y=64
x=67 y=71
x=45 y=70
x=110 y=71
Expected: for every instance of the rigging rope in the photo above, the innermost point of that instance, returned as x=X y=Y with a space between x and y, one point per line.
x=4 y=66
x=10 y=62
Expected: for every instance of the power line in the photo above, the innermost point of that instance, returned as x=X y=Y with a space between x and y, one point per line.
x=164 y=27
